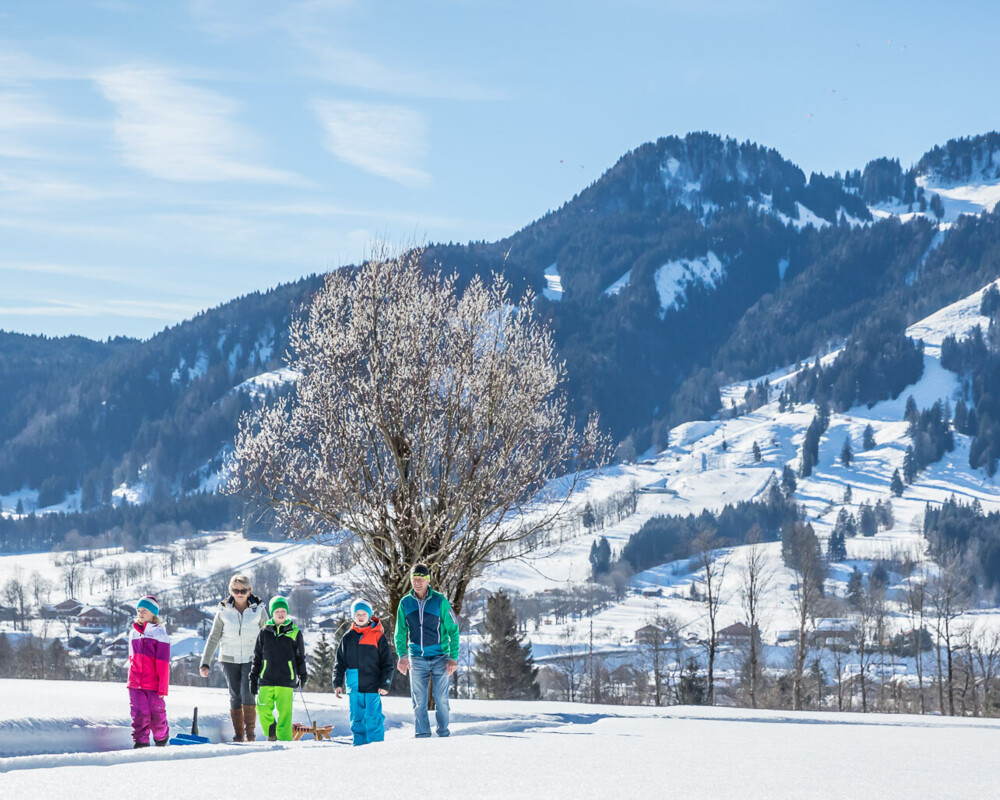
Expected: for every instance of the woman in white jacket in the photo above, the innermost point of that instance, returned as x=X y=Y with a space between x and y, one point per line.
x=237 y=623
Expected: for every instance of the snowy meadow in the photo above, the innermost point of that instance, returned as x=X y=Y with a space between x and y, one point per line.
x=497 y=749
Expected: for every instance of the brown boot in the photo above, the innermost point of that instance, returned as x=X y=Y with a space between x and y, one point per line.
x=250 y=721
x=237 y=715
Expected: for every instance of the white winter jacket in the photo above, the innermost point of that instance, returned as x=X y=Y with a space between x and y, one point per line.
x=235 y=631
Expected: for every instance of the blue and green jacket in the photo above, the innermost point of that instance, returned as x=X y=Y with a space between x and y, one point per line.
x=429 y=625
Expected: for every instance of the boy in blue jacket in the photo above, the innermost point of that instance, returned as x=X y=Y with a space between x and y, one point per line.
x=366 y=661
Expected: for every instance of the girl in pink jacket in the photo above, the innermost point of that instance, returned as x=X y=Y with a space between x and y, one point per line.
x=148 y=674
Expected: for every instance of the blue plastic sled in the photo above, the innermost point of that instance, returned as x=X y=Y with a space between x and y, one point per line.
x=193 y=737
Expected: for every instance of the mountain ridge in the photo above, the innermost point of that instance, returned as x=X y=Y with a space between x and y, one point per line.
x=787 y=284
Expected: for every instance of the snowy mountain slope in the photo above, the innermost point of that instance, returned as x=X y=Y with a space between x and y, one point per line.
x=505 y=749
x=708 y=464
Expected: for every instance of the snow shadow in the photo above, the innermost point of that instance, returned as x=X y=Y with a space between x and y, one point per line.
x=114 y=757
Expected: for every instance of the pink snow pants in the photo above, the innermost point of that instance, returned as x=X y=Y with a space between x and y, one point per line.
x=148 y=712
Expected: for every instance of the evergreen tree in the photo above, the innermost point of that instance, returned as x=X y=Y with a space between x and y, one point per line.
x=756 y=453
x=846 y=454
x=848 y=495
x=961 y=416
x=788 y=482
x=879 y=577
x=909 y=465
x=867 y=521
x=588 y=517
x=321 y=662
x=836 y=547
x=855 y=589
x=883 y=512
x=897 y=484
x=58 y=661
x=937 y=207
x=6 y=657
x=504 y=668
x=691 y=689
x=911 y=414
x=600 y=558
x=868 y=438
x=845 y=524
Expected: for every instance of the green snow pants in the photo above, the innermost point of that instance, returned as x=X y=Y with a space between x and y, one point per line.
x=271 y=699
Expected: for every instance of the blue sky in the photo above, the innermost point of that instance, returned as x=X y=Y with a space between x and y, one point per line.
x=161 y=157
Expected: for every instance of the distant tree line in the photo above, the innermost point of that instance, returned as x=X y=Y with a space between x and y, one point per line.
x=876 y=364
x=669 y=538
x=127 y=525
x=954 y=525
x=977 y=358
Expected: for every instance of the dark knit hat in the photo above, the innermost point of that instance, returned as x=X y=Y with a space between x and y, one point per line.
x=420 y=571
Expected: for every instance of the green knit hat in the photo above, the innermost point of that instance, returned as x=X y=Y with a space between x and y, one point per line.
x=277 y=602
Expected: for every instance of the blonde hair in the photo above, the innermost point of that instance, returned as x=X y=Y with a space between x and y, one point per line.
x=240 y=580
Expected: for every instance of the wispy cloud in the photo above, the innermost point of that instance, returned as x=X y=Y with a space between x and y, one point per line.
x=236 y=18
x=20 y=67
x=138 y=308
x=37 y=190
x=347 y=67
x=18 y=110
x=23 y=117
x=385 y=140
x=180 y=132
x=318 y=29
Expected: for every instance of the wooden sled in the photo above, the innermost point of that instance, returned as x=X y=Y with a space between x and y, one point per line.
x=319 y=732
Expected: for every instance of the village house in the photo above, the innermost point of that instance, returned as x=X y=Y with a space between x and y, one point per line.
x=650 y=634
x=93 y=619
x=67 y=609
x=118 y=648
x=833 y=631
x=737 y=635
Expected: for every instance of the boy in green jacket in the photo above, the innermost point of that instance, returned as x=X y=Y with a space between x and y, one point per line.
x=279 y=665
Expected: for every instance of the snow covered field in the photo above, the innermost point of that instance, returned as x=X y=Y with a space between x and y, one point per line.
x=497 y=749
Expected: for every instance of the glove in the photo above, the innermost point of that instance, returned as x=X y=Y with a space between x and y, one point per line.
x=253 y=687
x=302 y=679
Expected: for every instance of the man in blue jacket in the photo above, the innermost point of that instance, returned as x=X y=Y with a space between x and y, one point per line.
x=427 y=643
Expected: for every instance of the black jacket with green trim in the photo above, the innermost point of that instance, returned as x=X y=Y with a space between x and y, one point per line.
x=279 y=657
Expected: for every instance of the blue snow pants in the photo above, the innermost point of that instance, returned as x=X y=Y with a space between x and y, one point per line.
x=367 y=719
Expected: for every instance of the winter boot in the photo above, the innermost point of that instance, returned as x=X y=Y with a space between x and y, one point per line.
x=160 y=742
x=272 y=731
x=250 y=721
x=238 y=729
x=137 y=745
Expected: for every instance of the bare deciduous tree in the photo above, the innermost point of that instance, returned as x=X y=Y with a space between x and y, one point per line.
x=948 y=592
x=15 y=593
x=266 y=578
x=302 y=600
x=754 y=586
x=657 y=646
x=71 y=578
x=916 y=601
x=426 y=424
x=801 y=552
x=40 y=588
x=706 y=547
